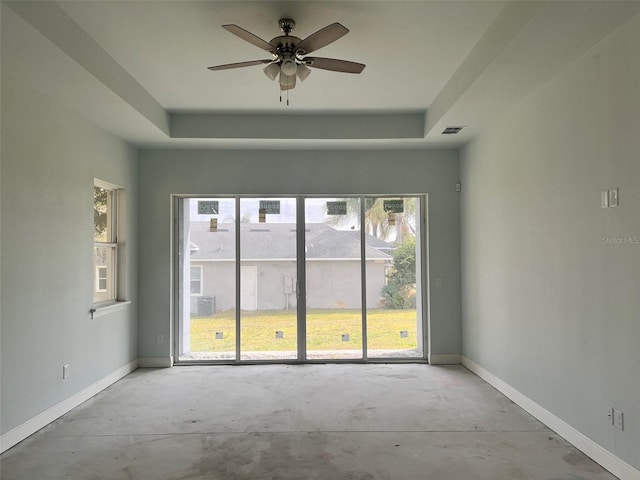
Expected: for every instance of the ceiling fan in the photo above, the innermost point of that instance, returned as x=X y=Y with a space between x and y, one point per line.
x=288 y=53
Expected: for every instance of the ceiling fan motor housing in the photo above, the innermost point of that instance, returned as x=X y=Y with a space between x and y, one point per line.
x=285 y=44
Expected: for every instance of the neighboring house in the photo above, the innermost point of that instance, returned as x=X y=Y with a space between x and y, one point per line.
x=268 y=267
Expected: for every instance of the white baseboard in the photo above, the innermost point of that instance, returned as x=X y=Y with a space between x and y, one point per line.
x=595 y=451
x=155 y=362
x=43 y=419
x=444 y=359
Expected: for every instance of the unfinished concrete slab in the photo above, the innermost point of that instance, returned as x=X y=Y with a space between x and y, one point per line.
x=394 y=421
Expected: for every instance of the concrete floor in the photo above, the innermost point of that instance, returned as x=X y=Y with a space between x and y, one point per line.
x=302 y=422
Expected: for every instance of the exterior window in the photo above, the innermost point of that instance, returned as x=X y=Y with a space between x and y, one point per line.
x=105 y=242
x=196 y=280
x=101 y=279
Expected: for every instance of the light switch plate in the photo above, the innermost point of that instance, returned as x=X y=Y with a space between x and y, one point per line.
x=618 y=419
x=604 y=198
x=613 y=197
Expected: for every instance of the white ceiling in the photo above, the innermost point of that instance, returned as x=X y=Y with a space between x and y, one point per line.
x=451 y=62
x=411 y=49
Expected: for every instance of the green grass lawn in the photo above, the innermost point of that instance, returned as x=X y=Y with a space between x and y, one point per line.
x=324 y=330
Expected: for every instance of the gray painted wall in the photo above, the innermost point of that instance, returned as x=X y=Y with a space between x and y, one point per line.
x=50 y=157
x=551 y=280
x=166 y=172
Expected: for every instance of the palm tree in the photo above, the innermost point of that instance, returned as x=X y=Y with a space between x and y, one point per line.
x=376 y=220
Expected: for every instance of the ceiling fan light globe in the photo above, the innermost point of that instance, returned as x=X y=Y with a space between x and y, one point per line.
x=303 y=72
x=289 y=67
x=272 y=70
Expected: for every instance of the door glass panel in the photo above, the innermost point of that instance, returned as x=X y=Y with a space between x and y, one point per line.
x=268 y=320
x=394 y=319
x=207 y=250
x=333 y=278
x=334 y=316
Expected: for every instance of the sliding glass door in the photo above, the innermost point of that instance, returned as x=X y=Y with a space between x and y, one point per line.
x=299 y=279
x=394 y=318
x=333 y=269
x=268 y=323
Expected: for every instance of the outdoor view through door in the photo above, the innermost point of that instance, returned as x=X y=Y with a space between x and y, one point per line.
x=347 y=286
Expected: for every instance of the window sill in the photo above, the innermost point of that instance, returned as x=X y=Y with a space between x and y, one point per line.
x=101 y=310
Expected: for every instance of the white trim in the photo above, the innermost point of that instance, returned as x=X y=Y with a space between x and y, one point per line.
x=22 y=431
x=595 y=451
x=102 y=310
x=106 y=185
x=444 y=359
x=155 y=362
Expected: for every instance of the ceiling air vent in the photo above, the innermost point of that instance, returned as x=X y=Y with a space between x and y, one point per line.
x=451 y=130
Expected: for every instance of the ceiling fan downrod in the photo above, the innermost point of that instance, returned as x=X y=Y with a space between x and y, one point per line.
x=286 y=25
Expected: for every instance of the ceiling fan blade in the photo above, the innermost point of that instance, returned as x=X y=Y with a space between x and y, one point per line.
x=250 y=37
x=321 y=38
x=228 y=66
x=287 y=82
x=333 y=64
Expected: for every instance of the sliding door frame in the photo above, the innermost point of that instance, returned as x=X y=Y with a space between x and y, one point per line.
x=177 y=279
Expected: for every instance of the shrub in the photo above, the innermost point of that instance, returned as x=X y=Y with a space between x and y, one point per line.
x=400 y=291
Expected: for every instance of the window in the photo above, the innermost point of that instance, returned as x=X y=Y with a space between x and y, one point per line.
x=196 y=280
x=105 y=242
x=101 y=279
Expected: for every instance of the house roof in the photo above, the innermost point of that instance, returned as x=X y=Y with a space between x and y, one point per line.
x=372 y=241
x=278 y=241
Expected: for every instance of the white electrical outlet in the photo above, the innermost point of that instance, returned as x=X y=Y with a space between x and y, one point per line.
x=618 y=419
x=65 y=371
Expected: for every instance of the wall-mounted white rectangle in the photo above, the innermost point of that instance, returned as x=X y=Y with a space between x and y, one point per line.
x=618 y=419
x=613 y=197
x=604 y=198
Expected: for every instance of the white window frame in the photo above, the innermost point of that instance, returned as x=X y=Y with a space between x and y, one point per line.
x=100 y=268
x=110 y=243
x=200 y=293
